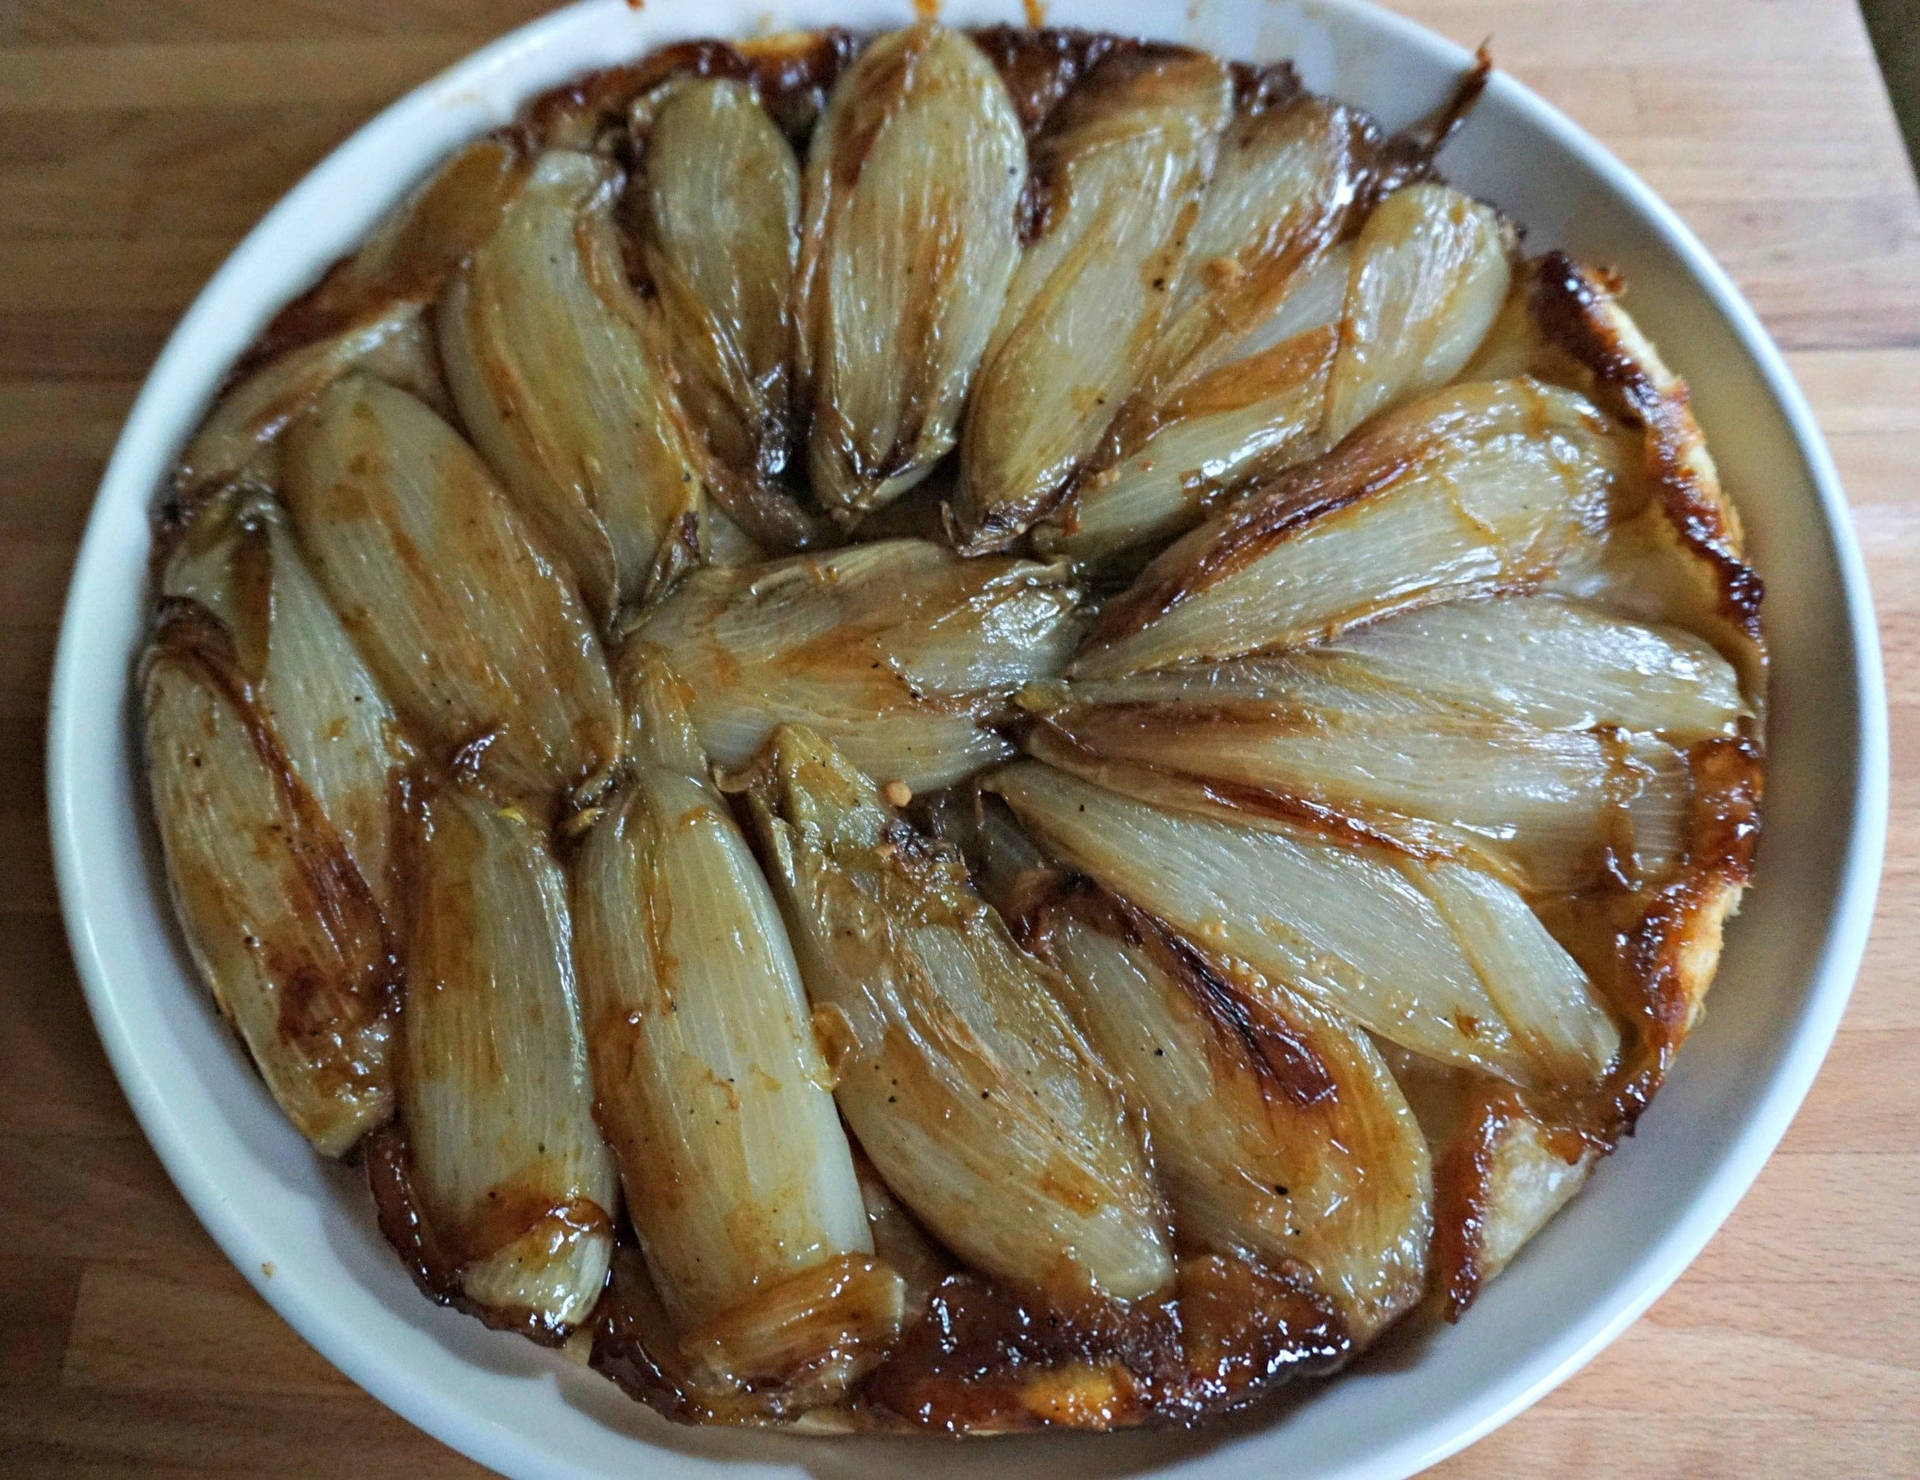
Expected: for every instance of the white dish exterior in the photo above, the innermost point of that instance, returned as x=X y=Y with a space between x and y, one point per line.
x=302 y=1231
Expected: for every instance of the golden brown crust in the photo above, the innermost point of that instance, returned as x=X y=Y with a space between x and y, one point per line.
x=1583 y=327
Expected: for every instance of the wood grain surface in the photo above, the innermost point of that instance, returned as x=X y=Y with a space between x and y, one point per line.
x=140 y=138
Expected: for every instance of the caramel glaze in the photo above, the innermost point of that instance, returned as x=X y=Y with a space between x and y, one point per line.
x=436 y=1260
x=984 y=1360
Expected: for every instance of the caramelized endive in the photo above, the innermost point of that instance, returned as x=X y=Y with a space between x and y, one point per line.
x=1277 y=1128
x=912 y=182
x=717 y=209
x=1479 y=489
x=557 y=368
x=711 y=1089
x=1120 y=167
x=283 y=927
x=1428 y=952
x=965 y=1081
x=509 y=1184
x=898 y=651
x=475 y=632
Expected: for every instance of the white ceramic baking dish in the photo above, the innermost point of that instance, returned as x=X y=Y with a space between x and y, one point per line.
x=302 y=1231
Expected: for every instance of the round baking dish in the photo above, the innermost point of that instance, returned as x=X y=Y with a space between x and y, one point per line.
x=302 y=1230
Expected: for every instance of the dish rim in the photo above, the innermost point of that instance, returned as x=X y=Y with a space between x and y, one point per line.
x=1802 y=1045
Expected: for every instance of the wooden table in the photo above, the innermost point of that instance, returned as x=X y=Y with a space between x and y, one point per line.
x=138 y=140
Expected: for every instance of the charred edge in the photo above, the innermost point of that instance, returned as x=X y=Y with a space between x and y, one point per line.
x=1462 y=1187
x=435 y=1265
x=1570 y=308
x=188 y=634
x=1290 y=1072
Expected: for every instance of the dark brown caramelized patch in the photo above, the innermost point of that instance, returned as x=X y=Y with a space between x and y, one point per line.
x=985 y=1360
x=637 y=1348
x=437 y=1262
x=792 y=75
x=1041 y=67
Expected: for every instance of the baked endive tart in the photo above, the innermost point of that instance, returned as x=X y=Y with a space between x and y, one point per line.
x=955 y=730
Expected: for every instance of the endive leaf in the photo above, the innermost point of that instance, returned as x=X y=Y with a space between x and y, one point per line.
x=899 y=650
x=367 y=312
x=912 y=181
x=478 y=639
x=962 y=1077
x=1545 y=734
x=1276 y=1127
x=707 y=1079
x=1248 y=419
x=338 y=733
x=285 y=931
x=1479 y=489
x=410 y=255
x=1553 y=662
x=1430 y=270
x=1426 y=952
x=512 y=1182
x=1561 y=810
x=235 y=438
x=561 y=387
x=1120 y=166
x=718 y=206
